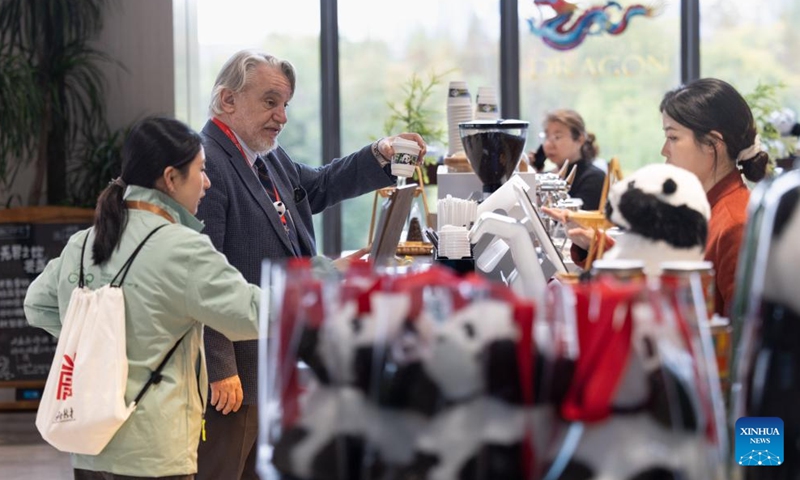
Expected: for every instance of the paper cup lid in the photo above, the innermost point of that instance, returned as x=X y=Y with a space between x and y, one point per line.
x=402 y=142
x=494 y=123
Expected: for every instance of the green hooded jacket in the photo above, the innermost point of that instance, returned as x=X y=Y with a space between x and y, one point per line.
x=176 y=284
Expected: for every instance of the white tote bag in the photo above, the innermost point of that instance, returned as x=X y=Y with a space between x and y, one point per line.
x=83 y=404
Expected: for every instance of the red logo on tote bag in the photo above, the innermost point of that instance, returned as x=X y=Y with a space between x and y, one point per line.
x=64 y=389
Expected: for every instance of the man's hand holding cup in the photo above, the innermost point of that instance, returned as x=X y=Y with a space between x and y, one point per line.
x=405 y=151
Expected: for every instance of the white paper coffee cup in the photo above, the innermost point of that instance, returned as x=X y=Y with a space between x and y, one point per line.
x=405 y=158
x=486 y=105
x=458 y=93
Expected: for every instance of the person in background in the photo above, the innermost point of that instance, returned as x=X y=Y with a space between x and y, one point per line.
x=537 y=159
x=178 y=282
x=709 y=131
x=261 y=208
x=565 y=140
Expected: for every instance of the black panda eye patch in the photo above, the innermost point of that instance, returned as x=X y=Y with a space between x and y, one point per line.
x=669 y=186
x=469 y=330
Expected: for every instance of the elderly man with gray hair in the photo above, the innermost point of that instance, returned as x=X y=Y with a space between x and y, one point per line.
x=260 y=206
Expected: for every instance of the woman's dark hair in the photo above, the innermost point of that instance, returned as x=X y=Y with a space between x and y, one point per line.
x=152 y=145
x=710 y=104
x=577 y=127
x=590 y=149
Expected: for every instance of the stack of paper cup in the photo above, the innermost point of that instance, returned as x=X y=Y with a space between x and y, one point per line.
x=486 y=105
x=454 y=242
x=459 y=109
x=456 y=211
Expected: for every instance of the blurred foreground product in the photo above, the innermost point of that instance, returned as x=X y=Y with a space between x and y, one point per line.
x=766 y=319
x=419 y=376
x=675 y=273
x=428 y=375
x=638 y=406
x=622 y=270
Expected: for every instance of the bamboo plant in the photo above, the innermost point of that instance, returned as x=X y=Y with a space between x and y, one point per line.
x=413 y=113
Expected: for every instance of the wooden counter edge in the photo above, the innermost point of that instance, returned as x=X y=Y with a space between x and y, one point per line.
x=46 y=215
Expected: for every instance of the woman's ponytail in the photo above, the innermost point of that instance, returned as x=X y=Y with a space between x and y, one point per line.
x=109 y=221
x=590 y=149
x=755 y=169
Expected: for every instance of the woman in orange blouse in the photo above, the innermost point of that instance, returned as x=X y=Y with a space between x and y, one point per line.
x=710 y=131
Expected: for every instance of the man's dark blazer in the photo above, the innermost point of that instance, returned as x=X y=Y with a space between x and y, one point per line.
x=243 y=224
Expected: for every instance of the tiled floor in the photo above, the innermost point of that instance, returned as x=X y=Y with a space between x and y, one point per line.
x=25 y=456
x=23 y=453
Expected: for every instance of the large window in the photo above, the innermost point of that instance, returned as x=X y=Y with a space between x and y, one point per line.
x=745 y=42
x=614 y=82
x=216 y=30
x=402 y=38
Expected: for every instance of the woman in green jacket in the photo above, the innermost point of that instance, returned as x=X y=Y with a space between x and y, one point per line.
x=177 y=283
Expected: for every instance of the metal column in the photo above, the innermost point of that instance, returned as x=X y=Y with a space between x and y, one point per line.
x=509 y=59
x=690 y=40
x=331 y=115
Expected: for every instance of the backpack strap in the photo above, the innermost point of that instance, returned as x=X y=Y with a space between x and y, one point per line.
x=81 y=283
x=127 y=266
x=155 y=375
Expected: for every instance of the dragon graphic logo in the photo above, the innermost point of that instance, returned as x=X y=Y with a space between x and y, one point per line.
x=562 y=33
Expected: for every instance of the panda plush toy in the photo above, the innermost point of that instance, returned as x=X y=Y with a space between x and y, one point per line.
x=327 y=441
x=656 y=426
x=774 y=368
x=480 y=434
x=663 y=212
x=368 y=398
x=783 y=261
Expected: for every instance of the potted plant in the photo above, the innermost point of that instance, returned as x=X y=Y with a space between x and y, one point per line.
x=51 y=88
x=414 y=114
x=764 y=104
x=99 y=159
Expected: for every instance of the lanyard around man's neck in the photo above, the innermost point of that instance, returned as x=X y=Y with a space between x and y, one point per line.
x=232 y=137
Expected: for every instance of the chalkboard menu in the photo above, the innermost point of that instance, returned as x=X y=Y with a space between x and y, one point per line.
x=29 y=238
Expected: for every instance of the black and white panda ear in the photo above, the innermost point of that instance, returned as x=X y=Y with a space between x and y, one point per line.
x=669 y=187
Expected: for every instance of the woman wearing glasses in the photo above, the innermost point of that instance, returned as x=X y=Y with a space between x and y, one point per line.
x=565 y=140
x=709 y=130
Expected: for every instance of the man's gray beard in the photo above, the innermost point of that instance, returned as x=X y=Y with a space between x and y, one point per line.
x=265 y=152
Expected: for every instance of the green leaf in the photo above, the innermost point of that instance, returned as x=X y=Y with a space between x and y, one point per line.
x=413 y=113
x=100 y=161
x=51 y=85
x=763 y=100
